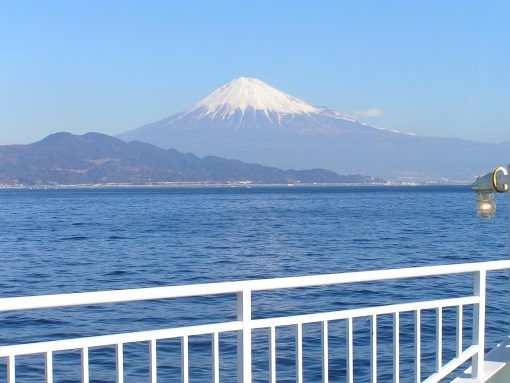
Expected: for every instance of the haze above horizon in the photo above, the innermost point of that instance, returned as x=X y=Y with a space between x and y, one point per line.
x=437 y=69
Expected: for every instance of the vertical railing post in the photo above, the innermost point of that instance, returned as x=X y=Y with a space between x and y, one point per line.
x=11 y=369
x=299 y=352
x=417 y=346
x=460 y=331
x=325 y=351
x=272 y=354
x=184 y=359
x=396 y=347
x=119 y=357
x=244 y=337
x=216 y=357
x=373 y=349
x=49 y=367
x=439 y=339
x=479 y=323
x=153 y=361
x=350 y=352
x=85 y=365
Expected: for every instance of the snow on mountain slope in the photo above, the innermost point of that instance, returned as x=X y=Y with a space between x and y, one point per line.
x=249 y=93
x=251 y=121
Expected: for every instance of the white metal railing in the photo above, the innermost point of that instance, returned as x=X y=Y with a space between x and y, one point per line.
x=244 y=324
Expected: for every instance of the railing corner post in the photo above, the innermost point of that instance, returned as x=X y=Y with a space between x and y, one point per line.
x=479 y=290
x=244 y=337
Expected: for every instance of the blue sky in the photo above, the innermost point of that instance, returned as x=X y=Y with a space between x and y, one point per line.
x=437 y=68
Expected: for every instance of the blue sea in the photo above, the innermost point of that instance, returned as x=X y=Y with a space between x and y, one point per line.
x=57 y=241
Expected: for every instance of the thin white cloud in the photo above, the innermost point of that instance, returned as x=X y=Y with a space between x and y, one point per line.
x=372 y=112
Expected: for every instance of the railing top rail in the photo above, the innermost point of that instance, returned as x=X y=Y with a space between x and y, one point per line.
x=183 y=291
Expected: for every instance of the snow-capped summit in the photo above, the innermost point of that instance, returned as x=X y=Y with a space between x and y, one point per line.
x=245 y=93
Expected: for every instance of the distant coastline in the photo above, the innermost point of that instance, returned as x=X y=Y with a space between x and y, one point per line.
x=210 y=185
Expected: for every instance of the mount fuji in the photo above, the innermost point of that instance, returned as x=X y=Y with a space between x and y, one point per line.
x=251 y=121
